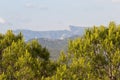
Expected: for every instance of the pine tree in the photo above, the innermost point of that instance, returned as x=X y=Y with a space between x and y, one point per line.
x=94 y=56
x=23 y=61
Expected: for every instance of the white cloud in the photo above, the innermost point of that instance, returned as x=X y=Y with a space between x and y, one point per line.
x=2 y=21
x=116 y=1
x=29 y=5
x=43 y=7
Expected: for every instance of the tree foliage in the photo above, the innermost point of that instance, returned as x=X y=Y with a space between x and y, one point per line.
x=94 y=56
x=22 y=61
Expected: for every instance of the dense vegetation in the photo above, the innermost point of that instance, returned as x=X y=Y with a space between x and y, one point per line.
x=94 y=56
x=23 y=61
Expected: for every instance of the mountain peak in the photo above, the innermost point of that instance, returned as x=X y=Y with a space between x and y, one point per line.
x=59 y=34
x=74 y=28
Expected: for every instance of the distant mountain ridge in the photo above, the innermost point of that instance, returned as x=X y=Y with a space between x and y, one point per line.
x=58 y=34
x=54 y=41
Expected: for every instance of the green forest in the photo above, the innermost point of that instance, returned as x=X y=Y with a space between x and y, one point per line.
x=93 y=56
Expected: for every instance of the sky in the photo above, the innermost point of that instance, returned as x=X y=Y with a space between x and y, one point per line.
x=44 y=15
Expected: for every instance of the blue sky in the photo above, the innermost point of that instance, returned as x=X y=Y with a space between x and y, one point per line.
x=42 y=15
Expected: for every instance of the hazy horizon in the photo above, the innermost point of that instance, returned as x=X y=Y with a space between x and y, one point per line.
x=45 y=15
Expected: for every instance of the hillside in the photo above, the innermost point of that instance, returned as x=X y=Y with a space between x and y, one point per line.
x=55 y=46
